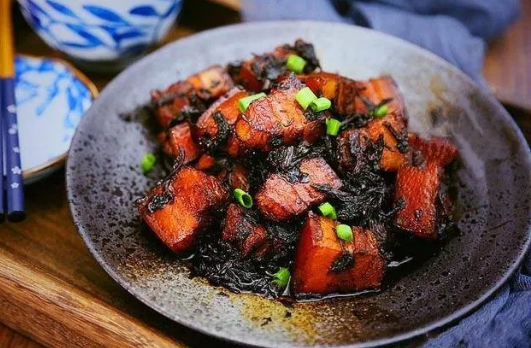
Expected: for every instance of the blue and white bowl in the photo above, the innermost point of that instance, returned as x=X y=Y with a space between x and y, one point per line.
x=52 y=97
x=101 y=30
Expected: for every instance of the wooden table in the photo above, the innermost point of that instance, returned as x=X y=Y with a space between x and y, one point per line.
x=53 y=291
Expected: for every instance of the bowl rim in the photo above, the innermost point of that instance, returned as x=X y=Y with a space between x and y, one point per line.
x=251 y=342
x=34 y=172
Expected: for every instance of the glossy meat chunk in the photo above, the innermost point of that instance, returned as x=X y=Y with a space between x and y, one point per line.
x=215 y=127
x=277 y=119
x=205 y=162
x=179 y=208
x=179 y=138
x=324 y=264
x=374 y=91
x=392 y=128
x=170 y=103
x=243 y=231
x=356 y=150
x=262 y=71
x=282 y=197
x=360 y=147
x=184 y=96
x=340 y=90
x=238 y=177
x=436 y=149
x=418 y=187
x=211 y=83
x=233 y=175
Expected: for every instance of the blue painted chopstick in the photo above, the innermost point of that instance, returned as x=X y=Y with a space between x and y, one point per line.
x=13 y=185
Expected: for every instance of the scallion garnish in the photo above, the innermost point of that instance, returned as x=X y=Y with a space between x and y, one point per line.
x=381 y=111
x=328 y=210
x=295 y=63
x=321 y=104
x=281 y=278
x=305 y=97
x=344 y=232
x=243 y=198
x=332 y=126
x=244 y=103
x=148 y=162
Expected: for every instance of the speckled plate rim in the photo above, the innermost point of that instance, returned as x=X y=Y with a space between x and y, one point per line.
x=35 y=173
x=467 y=309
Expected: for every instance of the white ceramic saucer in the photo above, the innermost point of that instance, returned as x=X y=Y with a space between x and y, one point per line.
x=52 y=97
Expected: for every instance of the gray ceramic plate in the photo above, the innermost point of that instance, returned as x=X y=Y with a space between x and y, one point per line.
x=494 y=198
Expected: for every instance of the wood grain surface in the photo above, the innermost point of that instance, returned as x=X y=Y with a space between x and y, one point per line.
x=11 y=339
x=51 y=288
x=63 y=314
x=508 y=62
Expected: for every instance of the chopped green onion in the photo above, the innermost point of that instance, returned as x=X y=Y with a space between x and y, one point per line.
x=148 y=162
x=281 y=278
x=321 y=104
x=295 y=63
x=243 y=198
x=244 y=103
x=305 y=97
x=332 y=126
x=381 y=111
x=328 y=210
x=344 y=232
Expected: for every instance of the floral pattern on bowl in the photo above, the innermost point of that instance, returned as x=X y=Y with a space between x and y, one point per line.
x=52 y=97
x=101 y=30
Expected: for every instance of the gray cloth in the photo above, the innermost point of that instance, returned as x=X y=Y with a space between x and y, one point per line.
x=454 y=30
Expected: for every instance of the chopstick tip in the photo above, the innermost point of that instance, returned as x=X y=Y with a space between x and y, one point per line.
x=16 y=216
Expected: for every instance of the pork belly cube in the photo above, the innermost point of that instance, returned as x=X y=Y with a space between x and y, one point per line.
x=393 y=130
x=205 y=162
x=243 y=75
x=238 y=177
x=211 y=83
x=282 y=198
x=215 y=127
x=232 y=175
x=357 y=147
x=181 y=207
x=340 y=90
x=179 y=138
x=208 y=84
x=376 y=90
x=168 y=104
x=436 y=149
x=243 y=232
x=354 y=151
x=262 y=71
x=391 y=127
x=324 y=264
x=277 y=119
x=418 y=187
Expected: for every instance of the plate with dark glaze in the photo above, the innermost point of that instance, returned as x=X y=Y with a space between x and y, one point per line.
x=493 y=199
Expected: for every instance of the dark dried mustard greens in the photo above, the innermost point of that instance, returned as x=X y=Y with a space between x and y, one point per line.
x=343 y=262
x=159 y=201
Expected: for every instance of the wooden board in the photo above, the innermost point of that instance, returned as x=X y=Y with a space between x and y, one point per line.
x=507 y=66
x=11 y=339
x=51 y=288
